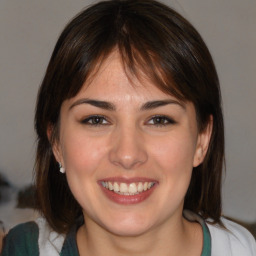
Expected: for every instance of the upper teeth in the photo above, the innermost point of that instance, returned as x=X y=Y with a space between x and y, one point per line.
x=127 y=189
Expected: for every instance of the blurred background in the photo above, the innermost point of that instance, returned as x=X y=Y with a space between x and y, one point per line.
x=28 y=32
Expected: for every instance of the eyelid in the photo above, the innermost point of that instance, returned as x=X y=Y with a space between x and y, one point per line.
x=170 y=121
x=86 y=120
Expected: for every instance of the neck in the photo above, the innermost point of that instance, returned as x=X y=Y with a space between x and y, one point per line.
x=168 y=239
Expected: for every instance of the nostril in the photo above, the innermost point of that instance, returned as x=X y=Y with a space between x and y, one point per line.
x=126 y=159
x=127 y=149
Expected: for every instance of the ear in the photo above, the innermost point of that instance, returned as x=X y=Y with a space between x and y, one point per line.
x=203 y=141
x=56 y=149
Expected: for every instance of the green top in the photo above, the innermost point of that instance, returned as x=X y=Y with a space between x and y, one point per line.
x=207 y=241
x=23 y=240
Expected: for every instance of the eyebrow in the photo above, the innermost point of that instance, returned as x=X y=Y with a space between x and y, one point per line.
x=159 y=103
x=109 y=106
x=96 y=103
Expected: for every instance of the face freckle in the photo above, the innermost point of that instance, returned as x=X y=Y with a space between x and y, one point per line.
x=134 y=138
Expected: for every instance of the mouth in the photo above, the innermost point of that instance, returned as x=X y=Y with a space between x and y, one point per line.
x=127 y=192
x=127 y=189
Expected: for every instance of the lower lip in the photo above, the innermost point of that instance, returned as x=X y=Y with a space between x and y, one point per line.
x=126 y=200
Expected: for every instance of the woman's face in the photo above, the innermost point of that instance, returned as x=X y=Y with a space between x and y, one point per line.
x=128 y=150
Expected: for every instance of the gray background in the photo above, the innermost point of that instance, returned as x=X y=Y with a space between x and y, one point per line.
x=28 y=32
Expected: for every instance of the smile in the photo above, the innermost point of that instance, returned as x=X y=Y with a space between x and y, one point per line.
x=127 y=189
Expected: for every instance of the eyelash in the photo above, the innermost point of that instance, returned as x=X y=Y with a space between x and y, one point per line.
x=98 y=118
x=161 y=120
x=158 y=120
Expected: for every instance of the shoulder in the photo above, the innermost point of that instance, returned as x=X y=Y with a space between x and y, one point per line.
x=233 y=241
x=21 y=240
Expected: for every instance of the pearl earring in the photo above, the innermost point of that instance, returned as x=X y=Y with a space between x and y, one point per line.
x=62 y=170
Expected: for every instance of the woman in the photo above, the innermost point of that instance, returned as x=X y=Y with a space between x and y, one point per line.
x=130 y=141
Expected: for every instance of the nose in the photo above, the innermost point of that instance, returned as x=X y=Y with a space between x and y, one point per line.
x=128 y=148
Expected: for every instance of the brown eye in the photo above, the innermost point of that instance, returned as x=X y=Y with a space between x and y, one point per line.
x=95 y=120
x=161 y=121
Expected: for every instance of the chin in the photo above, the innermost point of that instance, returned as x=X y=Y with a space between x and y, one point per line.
x=128 y=231
x=130 y=226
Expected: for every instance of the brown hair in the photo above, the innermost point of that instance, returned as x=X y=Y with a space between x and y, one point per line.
x=154 y=40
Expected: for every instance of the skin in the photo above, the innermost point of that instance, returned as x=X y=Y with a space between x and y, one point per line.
x=130 y=142
x=1 y=239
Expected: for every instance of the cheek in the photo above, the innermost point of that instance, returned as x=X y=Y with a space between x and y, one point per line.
x=83 y=158
x=81 y=153
x=175 y=152
x=174 y=158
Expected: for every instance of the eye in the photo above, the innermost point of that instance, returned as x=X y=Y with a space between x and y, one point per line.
x=160 y=120
x=95 y=120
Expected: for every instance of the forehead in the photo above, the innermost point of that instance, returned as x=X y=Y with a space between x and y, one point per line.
x=112 y=78
x=111 y=86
